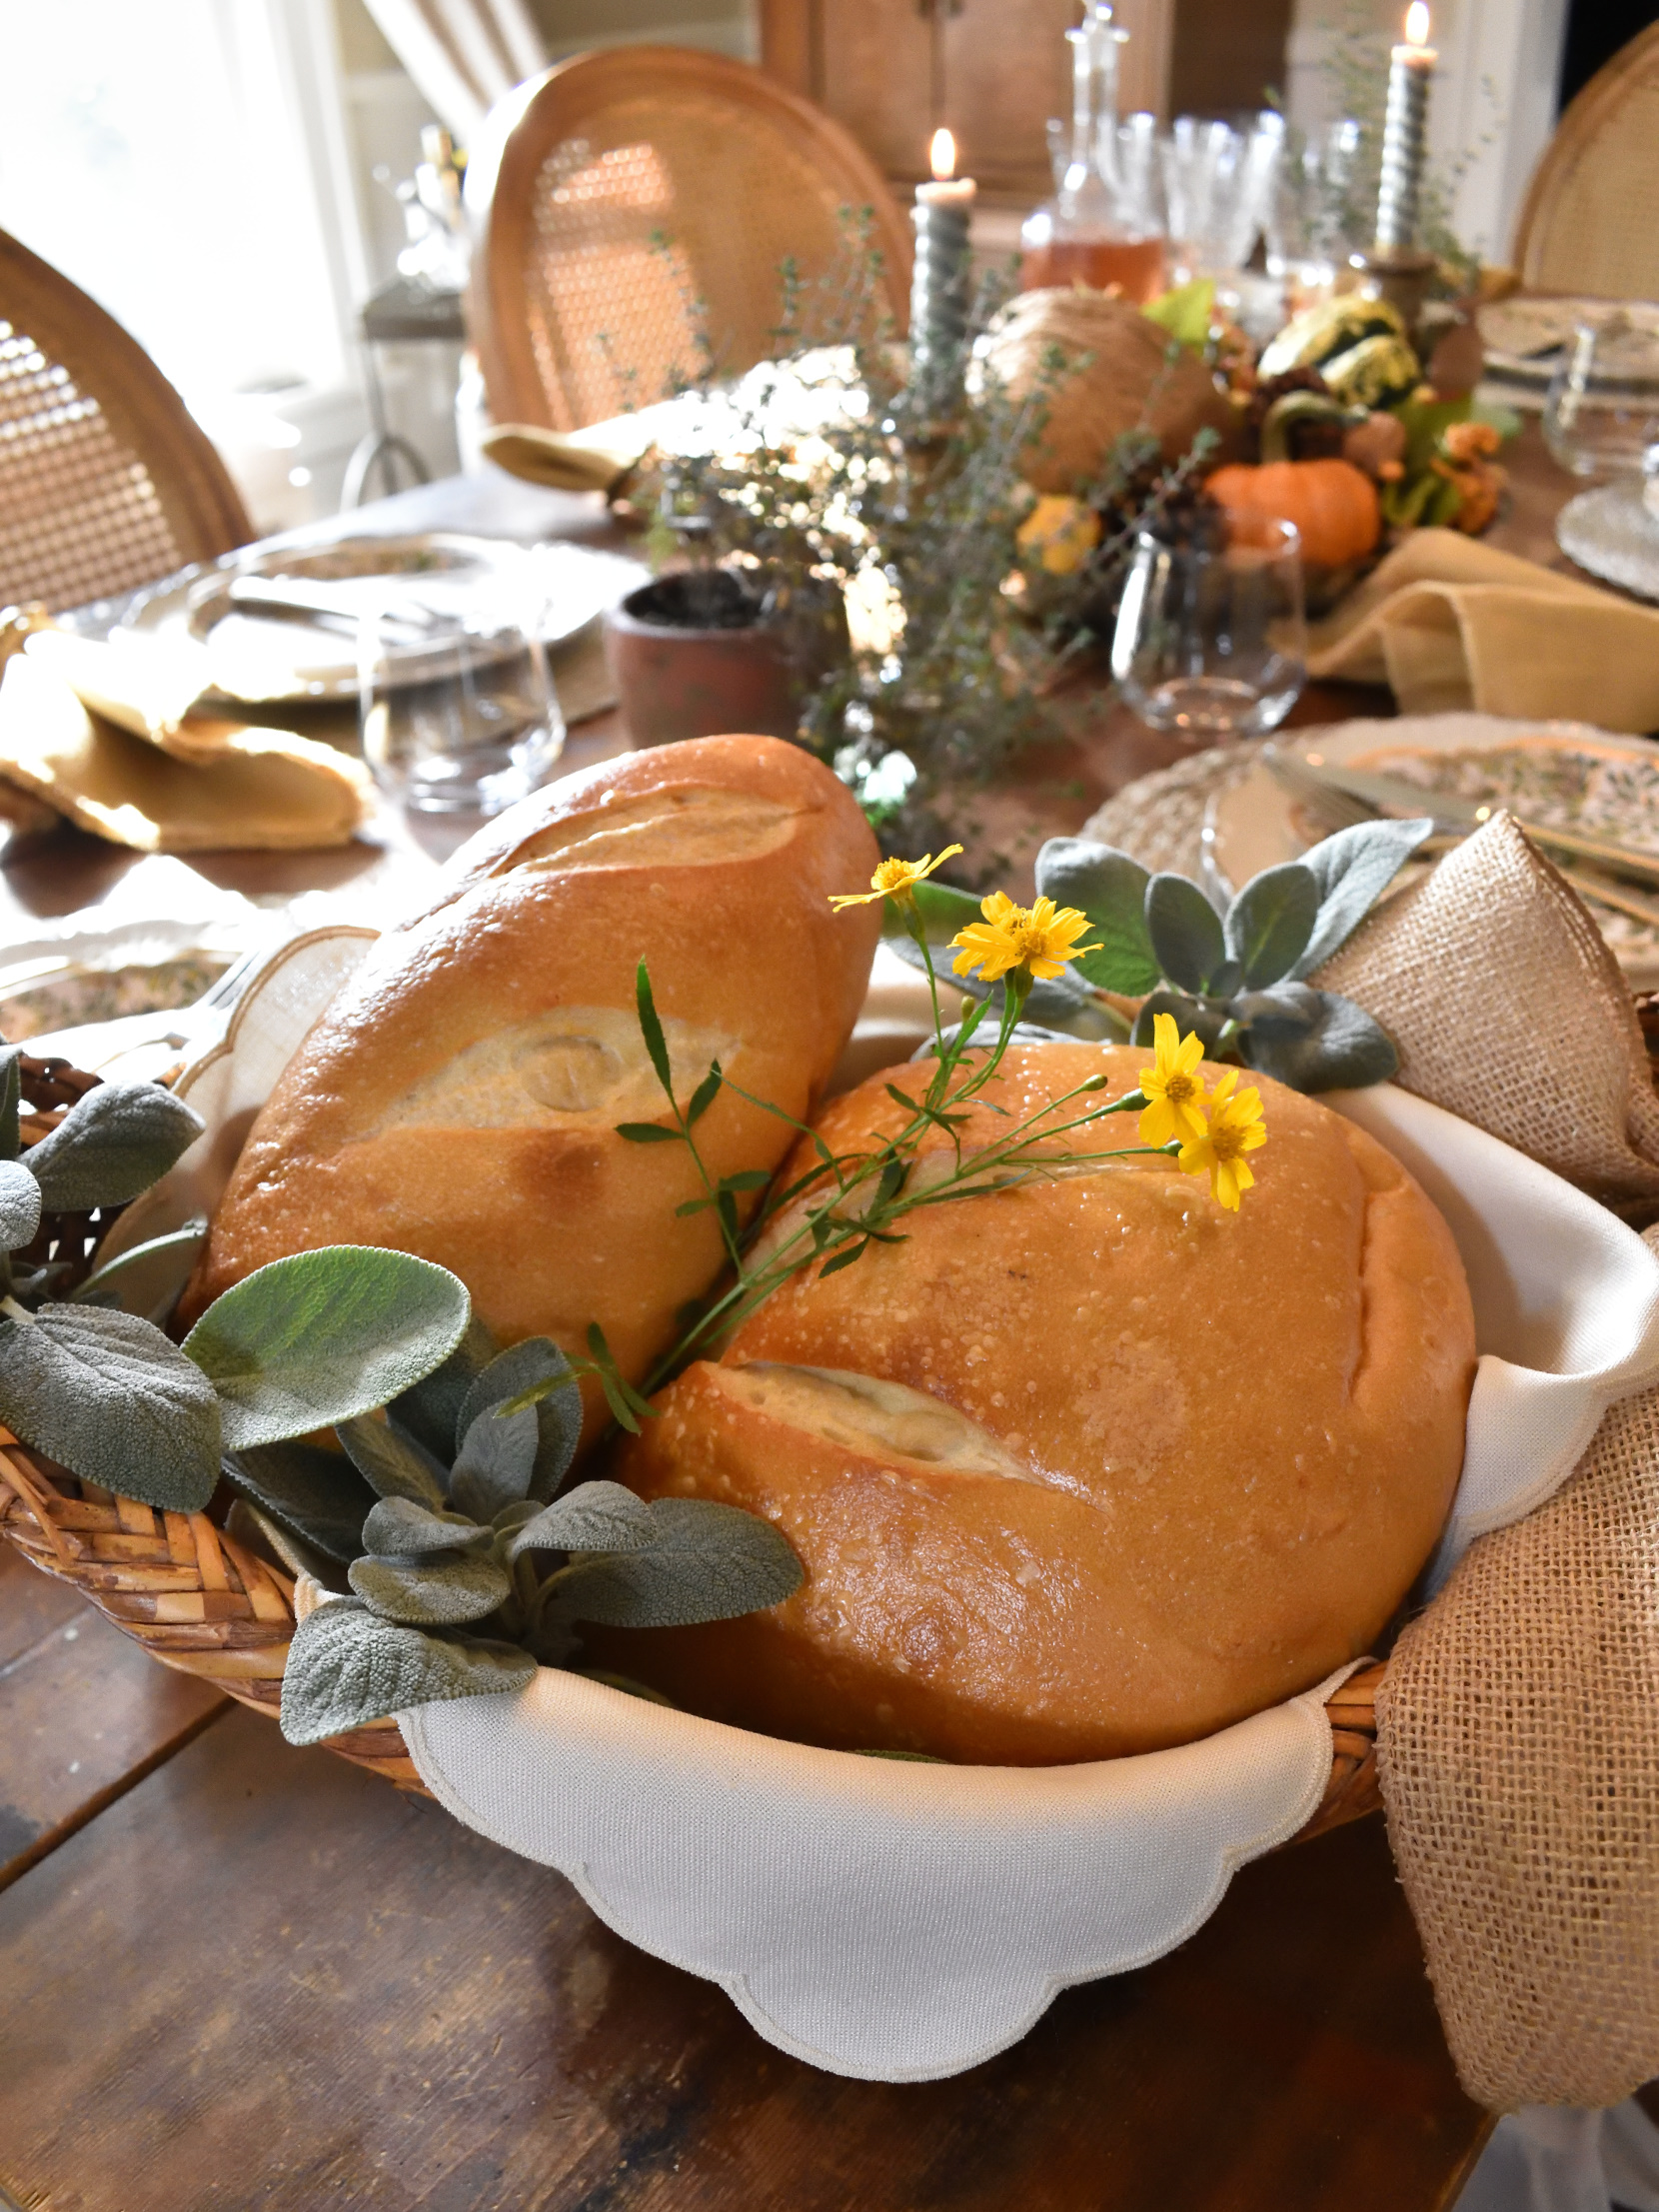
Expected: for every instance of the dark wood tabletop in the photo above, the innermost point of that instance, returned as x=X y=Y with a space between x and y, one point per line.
x=236 y=1976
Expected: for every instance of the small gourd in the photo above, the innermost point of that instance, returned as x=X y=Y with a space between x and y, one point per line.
x=1333 y=505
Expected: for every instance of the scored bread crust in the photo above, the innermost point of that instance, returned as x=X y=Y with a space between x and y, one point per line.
x=459 y=1099
x=1131 y=1467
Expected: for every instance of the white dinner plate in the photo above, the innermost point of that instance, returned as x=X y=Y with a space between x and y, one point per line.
x=1565 y=775
x=255 y=660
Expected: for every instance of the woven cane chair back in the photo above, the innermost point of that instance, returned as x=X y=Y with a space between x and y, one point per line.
x=105 y=481
x=636 y=196
x=1590 y=223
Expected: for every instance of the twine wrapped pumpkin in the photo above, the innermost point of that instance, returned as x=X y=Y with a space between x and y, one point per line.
x=1120 y=375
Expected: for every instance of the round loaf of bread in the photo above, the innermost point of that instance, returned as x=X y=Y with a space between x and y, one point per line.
x=1082 y=1468
x=459 y=1099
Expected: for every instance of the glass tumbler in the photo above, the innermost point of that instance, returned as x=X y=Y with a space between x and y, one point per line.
x=1601 y=417
x=457 y=709
x=1211 y=637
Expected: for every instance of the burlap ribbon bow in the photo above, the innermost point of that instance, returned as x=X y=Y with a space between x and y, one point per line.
x=1519 y=1742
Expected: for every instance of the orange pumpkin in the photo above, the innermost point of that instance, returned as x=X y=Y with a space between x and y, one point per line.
x=1332 y=504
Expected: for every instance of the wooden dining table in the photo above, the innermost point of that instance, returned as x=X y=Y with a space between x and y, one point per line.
x=238 y=1976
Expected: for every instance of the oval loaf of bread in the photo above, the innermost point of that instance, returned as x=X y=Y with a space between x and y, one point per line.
x=1083 y=1468
x=459 y=1099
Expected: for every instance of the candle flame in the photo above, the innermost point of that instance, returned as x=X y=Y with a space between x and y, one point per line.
x=943 y=152
x=1416 y=24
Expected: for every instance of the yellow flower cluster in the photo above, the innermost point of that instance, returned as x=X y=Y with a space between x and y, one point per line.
x=1214 y=1130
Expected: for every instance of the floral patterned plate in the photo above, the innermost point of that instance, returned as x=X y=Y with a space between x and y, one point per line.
x=1564 y=775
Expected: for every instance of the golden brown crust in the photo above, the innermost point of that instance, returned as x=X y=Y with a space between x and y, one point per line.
x=1236 y=1437
x=459 y=1100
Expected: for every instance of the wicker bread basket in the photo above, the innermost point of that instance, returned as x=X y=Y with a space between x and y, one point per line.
x=199 y=1600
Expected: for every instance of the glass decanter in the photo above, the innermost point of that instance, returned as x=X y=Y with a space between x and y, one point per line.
x=1101 y=226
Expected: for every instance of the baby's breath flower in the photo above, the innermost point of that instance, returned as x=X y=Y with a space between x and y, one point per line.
x=1037 y=941
x=1172 y=1087
x=1235 y=1129
x=895 y=880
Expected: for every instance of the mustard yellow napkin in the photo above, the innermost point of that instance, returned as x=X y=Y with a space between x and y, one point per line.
x=600 y=457
x=1450 y=625
x=228 y=783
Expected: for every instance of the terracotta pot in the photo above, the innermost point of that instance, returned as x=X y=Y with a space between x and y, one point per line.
x=679 y=679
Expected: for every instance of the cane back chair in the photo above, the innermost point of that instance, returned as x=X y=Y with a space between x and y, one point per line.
x=106 y=483
x=633 y=197
x=1590 y=222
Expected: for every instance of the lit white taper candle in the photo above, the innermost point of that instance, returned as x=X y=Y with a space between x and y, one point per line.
x=1405 y=133
x=939 y=282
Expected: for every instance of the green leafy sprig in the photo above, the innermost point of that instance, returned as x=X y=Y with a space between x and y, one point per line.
x=464 y=1569
x=100 y=1388
x=1237 y=976
x=845 y=1202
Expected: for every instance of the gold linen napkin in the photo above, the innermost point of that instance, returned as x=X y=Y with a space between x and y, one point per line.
x=600 y=457
x=1450 y=625
x=212 y=784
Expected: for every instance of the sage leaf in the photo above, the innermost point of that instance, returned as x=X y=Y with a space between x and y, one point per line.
x=1207 y=1021
x=19 y=1206
x=317 y=1495
x=706 y=1562
x=535 y=1360
x=11 y=1100
x=1352 y=869
x=346 y=1668
x=1185 y=932
x=323 y=1335
x=1341 y=1049
x=496 y=1462
x=398 y=1528
x=148 y=1278
x=1269 y=923
x=392 y=1463
x=429 y=1593
x=429 y=1409
x=109 y=1396
x=595 y=1516
x=1111 y=889
x=111 y=1144
x=246 y=1523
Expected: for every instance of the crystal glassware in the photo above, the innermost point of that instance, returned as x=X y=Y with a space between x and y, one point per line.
x=1601 y=417
x=1211 y=637
x=456 y=708
x=1101 y=227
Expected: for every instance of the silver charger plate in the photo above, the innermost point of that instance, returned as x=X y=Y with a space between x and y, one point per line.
x=259 y=659
x=1612 y=534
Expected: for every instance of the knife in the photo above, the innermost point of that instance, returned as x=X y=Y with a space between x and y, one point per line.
x=1414 y=799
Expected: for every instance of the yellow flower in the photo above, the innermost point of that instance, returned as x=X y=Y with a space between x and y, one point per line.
x=1234 y=1129
x=1038 y=940
x=1061 y=531
x=893 y=880
x=1172 y=1087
